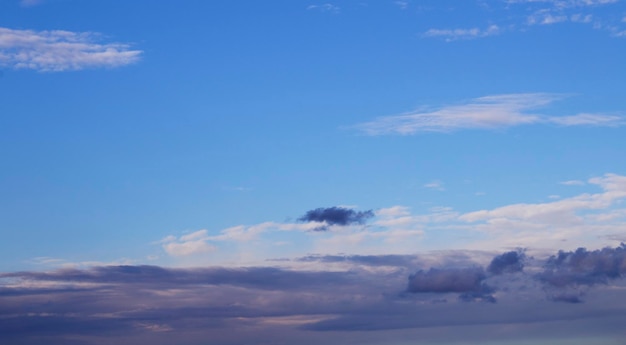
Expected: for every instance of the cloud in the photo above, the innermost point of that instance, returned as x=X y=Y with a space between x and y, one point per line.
x=327 y=7
x=490 y=112
x=588 y=120
x=365 y=260
x=336 y=216
x=545 y=17
x=509 y=262
x=520 y=15
x=614 y=187
x=566 y=3
x=436 y=185
x=566 y=298
x=233 y=305
x=456 y=34
x=583 y=267
x=573 y=183
x=55 y=51
x=467 y=281
x=190 y=244
x=402 y=4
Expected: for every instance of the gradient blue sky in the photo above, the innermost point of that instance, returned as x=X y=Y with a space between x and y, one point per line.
x=157 y=138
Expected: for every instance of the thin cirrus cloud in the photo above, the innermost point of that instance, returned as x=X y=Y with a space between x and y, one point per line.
x=520 y=15
x=58 y=50
x=455 y=34
x=489 y=112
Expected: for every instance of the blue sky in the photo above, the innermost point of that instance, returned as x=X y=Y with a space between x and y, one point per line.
x=258 y=145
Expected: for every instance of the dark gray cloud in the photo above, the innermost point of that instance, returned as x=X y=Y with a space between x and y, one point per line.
x=256 y=277
x=583 y=267
x=567 y=298
x=126 y=305
x=469 y=282
x=366 y=260
x=509 y=262
x=336 y=216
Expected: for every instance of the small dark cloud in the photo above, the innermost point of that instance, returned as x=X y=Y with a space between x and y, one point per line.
x=336 y=216
x=469 y=282
x=583 y=267
x=509 y=262
x=566 y=298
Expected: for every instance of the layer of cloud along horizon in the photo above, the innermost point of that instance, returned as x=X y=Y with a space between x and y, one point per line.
x=121 y=304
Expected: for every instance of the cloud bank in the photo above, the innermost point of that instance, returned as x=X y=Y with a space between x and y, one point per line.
x=159 y=305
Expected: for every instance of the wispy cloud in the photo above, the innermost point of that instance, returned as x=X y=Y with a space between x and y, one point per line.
x=519 y=15
x=53 y=51
x=566 y=3
x=403 y=4
x=29 y=3
x=435 y=185
x=456 y=34
x=327 y=7
x=190 y=244
x=490 y=112
x=573 y=183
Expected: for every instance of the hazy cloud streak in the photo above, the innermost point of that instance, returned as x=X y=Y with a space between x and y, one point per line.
x=57 y=50
x=490 y=112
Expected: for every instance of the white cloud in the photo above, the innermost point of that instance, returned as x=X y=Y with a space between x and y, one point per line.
x=588 y=120
x=573 y=183
x=491 y=112
x=61 y=51
x=587 y=219
x=402 y=4
x=579 y=18
x=435 y=185
x=544 y=17
x=577 y=220
x=190 y=244
x=566 y=3
x=455 y=34
x=325 y=8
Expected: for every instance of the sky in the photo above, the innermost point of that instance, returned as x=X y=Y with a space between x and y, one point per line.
x=276 y=172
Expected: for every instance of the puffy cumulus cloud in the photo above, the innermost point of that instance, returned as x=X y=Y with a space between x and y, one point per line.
x=336 y=216
x=489 y=112
x=57 y=50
